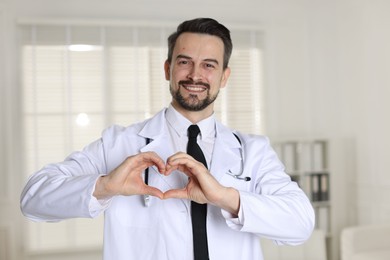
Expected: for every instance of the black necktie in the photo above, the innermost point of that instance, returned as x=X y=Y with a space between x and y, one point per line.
x=198 y=211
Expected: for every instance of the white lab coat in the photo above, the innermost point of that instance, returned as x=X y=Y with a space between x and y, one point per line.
x=271 y=205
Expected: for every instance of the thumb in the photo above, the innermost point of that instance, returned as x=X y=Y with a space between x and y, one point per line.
x=154 y=192
x=176 y=193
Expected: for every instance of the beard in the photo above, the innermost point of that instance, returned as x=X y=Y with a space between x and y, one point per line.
x=192 y=102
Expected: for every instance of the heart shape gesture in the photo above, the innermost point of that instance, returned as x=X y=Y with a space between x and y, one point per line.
x=202 y=187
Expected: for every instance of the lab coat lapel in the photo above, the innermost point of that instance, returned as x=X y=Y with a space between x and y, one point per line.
x=156 y=130
x=226 y=154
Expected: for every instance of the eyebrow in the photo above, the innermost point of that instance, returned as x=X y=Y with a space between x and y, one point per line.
x=182 y=56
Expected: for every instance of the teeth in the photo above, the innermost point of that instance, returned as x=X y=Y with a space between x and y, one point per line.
x=195 y=88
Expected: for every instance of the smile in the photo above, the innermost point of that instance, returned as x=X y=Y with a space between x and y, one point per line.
x=194 y=87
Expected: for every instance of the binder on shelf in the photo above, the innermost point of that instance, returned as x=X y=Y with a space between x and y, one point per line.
x=324 y=186
x=315 y=187
x=319 y=186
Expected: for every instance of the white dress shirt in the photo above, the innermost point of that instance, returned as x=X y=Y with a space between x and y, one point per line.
x=178 y=125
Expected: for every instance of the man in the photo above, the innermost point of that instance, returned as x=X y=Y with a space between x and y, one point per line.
x=146 y=182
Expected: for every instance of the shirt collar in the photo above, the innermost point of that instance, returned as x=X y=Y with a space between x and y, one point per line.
x=180 y=124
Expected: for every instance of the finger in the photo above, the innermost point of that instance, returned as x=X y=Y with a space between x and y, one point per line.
x=178 y=167
x=154 y=192
x=176 y=193
x=179 y=155
x=152 y=157
x=157 y=161
x=144 y=160
x=187 y=165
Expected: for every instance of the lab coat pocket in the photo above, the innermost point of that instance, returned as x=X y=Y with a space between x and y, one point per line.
x=132 y=212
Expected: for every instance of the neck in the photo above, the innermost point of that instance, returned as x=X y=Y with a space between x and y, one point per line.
x=194 y=116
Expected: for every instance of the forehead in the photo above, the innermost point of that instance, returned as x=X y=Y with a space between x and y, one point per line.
x=197 y=45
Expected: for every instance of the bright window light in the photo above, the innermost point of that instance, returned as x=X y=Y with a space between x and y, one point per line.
x=82 y=119
x=84 y=47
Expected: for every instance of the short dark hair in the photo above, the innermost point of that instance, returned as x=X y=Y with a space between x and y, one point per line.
x=205 y=26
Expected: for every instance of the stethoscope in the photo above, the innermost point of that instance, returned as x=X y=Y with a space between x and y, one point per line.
x=237 y=175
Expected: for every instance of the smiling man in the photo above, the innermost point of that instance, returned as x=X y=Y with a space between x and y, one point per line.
x=165 y=184
x=196 y=72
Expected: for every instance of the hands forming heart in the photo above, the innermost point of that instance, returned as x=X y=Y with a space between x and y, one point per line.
x=202 y=187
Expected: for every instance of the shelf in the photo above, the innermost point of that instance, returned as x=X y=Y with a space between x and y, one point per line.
x=306 y=161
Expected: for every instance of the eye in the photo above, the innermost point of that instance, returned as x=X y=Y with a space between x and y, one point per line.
x=209 y=66
x=183 y=62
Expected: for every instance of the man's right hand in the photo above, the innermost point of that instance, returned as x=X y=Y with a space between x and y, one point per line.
x=127 y=179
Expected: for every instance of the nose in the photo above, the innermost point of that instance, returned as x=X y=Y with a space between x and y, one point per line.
x=195 y=74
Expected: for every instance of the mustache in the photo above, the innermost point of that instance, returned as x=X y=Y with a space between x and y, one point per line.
x=190 y=82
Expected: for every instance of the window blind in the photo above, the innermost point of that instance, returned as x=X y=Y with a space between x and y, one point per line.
x=70 y=96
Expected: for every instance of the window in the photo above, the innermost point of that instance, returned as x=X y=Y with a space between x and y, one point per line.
x=77 y=80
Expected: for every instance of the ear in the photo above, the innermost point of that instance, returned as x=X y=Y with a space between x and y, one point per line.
x=167 y=69
x=225 y=77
